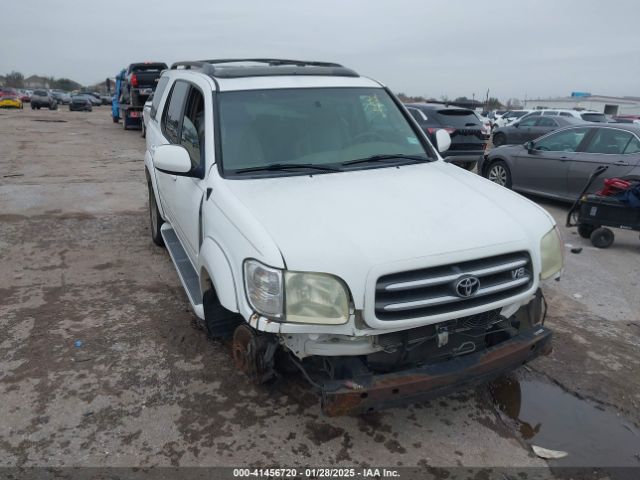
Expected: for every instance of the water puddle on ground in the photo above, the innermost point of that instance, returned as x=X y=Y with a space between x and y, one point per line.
x=549 y=417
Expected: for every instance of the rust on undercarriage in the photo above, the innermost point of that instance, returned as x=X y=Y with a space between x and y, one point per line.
x=374 y=392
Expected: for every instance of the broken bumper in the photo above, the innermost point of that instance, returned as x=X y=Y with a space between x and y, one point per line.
x=340 y=397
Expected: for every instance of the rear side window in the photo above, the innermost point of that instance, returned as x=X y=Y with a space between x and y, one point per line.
x=528 y=122
x=594 y=117
x=609 y=141
x=550 y=112
x=633 y=146
x=565 y=114
x=157 y=96
x=545 y=122
x=457 y=118
x=173 y=111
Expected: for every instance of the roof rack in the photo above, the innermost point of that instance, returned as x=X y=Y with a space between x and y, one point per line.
x=228 y=68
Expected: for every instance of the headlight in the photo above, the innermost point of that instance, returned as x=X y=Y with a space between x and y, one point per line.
x=264 y=288
x=310 y=297
x=551 y=254
x=315 y=298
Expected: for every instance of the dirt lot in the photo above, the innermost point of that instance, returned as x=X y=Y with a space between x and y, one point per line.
x=100 y=362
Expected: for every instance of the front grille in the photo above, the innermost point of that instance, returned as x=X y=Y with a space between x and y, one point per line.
x=432 y=291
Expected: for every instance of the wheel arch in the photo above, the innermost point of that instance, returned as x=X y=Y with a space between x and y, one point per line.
x=151 y=181
x=215 y=271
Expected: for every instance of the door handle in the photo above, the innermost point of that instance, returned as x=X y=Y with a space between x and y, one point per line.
x=174 y=177
x=621 y=163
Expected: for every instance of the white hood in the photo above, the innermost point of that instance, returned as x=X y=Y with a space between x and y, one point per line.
x=347 y=223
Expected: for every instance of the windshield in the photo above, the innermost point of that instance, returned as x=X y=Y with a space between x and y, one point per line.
x=312 y=126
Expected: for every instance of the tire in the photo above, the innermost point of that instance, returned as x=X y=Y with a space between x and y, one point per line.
x=585 y=229
x=602 y=237
x=499 y=139
x=143 y=133
x=155 y=219
x=124 y=122
x=218 y=321
x=498 y=172
x=53 y=107
x=33 y=107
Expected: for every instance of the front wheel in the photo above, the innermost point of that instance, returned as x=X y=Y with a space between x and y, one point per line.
x=499 y=173
x=155 y=219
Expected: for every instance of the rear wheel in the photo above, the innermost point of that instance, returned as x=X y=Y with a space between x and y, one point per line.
x=499 y=139
x=602 y=237
x=499 y=173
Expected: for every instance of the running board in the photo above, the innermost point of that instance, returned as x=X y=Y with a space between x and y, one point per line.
x=186 y=272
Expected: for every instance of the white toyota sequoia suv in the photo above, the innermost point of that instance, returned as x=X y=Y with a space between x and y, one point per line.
x=311 y=221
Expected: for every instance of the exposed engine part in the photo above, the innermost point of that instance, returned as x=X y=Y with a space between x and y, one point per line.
x=254 y=353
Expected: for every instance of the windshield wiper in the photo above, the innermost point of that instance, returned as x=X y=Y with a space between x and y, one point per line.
x=288 y=166
x=390 y=156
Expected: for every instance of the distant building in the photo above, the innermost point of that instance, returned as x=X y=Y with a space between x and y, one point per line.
x=599 y=103
x=34 y=81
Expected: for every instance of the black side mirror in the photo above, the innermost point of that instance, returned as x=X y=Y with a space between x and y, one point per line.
x=529 y=146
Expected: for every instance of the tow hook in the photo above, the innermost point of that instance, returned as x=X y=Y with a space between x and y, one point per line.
x=254 y=353
x=442 y=334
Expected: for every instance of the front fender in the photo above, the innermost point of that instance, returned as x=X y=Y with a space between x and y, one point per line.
x=214 y=265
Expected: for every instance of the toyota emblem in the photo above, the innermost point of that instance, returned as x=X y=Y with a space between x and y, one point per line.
x=467 y=286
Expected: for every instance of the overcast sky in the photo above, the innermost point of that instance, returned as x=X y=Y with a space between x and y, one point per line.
x=539 y=48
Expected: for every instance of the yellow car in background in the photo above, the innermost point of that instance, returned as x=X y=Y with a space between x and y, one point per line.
x=10 y=101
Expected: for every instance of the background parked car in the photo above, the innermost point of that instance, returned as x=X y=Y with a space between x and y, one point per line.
x=529 y=128
x=94 y=98
x=586 y=115
x=559 y=164
x=63 y=98
x=626 y=119
x=509 y=117
x=9 y=92
x=80 y=103
x=24 y=95
x=10 y=101
x=43 y=98
x=467 y=138
x=486 y=124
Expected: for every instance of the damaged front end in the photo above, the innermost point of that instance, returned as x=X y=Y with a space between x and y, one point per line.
x=429 y=361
